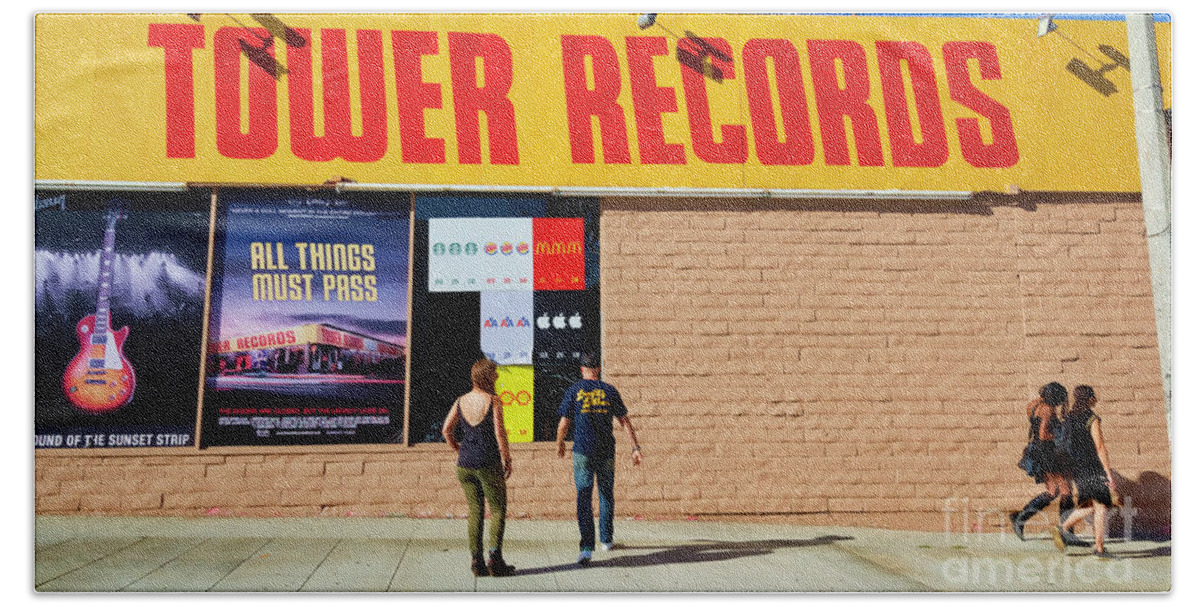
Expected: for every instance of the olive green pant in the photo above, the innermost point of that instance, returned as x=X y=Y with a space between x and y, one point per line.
x=478 y=484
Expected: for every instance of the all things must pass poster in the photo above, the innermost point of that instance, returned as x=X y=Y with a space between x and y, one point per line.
x=307 y=336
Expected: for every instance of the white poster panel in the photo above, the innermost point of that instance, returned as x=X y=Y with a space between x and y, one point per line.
x=506 y=326
x=480 y=254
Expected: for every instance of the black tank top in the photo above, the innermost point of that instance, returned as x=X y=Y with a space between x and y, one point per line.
x=478 y=448
x=1035 y=428
x=1083 y=448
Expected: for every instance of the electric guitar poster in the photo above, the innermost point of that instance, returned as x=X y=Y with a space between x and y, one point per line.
x=118 y=297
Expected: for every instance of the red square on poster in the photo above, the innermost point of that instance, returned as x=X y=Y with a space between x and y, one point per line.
x=558 y=253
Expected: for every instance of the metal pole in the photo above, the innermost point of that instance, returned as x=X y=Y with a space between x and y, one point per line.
x=1155 y=164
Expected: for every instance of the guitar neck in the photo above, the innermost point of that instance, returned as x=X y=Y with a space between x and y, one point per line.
x=106 y=273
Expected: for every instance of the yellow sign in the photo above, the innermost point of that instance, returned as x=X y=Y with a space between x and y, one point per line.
x=699 y=101
x=514 y=385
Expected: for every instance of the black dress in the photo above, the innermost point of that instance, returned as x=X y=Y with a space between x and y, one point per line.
x=1090 y=479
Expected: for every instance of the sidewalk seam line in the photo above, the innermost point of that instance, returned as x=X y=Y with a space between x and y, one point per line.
x=106 y=555
x=319 y=564
x=243 y=562
x=856 y=555
x=160 y=566
x=396 y=570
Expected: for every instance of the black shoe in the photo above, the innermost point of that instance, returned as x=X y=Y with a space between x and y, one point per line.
x=1103 y=554
x=1073 y=541
x=497 y=567
x=1017 y=524
x=477 y=566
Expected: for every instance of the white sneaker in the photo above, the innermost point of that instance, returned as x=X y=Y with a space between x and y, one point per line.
x=607 y=546
x=585 y=556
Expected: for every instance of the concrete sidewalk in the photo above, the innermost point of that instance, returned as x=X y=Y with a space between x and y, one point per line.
x=400 y=554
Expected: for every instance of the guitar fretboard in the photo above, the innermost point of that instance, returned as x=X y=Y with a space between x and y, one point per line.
x=106 y=270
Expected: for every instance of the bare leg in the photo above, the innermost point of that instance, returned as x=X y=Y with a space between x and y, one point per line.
x=1100 y=525
x=1076 y=516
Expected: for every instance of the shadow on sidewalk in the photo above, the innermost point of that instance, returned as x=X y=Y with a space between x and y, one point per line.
x=695 y=552
x=1140 y=553
x=1115 y=546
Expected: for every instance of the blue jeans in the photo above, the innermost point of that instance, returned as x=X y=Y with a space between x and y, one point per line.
x=588 y=469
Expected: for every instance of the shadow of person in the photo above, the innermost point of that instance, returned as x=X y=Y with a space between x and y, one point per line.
x=1141 y=553
x=698 y=551
x=1150 y=494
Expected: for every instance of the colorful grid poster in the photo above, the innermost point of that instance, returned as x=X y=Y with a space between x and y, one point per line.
x=558 y=254
x=480 y=254
x=459 y=316
x=515 y=388
x=506 y=326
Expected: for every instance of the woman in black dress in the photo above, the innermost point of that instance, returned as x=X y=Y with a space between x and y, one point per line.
x=1093 y=476
x=1049 y=466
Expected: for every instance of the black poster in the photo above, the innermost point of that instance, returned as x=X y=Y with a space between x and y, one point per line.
x=118 y=300
x=563 y=323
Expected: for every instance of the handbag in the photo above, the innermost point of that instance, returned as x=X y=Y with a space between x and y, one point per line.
x=1026 y=461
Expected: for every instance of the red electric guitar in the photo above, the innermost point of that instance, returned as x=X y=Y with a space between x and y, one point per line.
x=100 y=379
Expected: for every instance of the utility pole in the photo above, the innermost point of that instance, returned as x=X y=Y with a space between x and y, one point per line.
x=1154 y=162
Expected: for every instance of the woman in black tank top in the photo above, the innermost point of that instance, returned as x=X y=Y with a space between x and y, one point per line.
x=1094 y=480
x=475 y=429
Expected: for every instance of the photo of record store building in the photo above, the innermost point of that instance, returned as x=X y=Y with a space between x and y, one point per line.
x=312 y=348
x=826 y=259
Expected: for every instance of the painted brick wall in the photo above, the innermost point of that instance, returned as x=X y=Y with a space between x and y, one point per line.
x=835 y=362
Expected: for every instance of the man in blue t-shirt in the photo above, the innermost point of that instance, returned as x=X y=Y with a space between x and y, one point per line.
x=592 y=405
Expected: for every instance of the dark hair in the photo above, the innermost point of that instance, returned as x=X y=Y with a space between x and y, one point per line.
x=1054 y=394
x=483 y=375
x=1084 y=396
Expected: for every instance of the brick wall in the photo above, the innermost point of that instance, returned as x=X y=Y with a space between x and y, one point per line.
x=830 y=362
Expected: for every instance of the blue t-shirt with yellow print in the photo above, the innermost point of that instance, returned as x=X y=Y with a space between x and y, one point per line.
x=592 y=405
